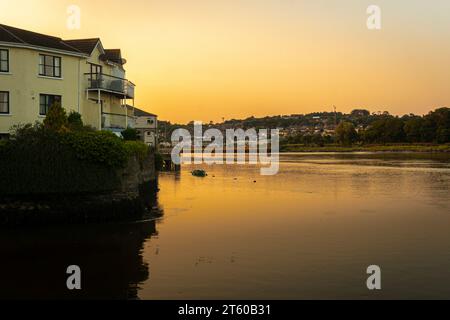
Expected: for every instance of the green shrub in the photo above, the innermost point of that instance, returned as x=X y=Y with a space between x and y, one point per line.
x=75 y=121
x=46 y=165
x=130 y=134
x=159 y=161
x=45 y=160
x=56 y=119
x=25 y=131
x=97 y=147
x=137 y=148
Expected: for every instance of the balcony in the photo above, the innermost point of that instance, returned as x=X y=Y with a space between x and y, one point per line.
x=117 y=122
x=122 y=88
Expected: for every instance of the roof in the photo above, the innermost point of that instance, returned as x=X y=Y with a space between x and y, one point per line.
x=24 y=37
x=76 y=46
x=141 y=113
x=114 y=55
x=83 y=45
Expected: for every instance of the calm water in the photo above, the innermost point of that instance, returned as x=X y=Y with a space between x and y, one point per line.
x=309 y=232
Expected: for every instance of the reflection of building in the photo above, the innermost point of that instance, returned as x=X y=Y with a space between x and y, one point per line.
x=37 y=71
x=147 y=126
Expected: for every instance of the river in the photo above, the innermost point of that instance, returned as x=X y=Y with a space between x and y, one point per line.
x=309 y=232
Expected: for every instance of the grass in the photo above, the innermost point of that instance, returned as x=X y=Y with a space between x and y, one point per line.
x=368 y=148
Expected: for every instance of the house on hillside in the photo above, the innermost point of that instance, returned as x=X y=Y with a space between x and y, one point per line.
x=146 y=125
x=38 y=70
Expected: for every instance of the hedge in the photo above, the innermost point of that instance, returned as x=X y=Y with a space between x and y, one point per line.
x=38 y=161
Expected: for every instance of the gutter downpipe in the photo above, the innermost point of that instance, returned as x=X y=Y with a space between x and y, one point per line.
x=79 y=84
x=126 y=111
x=99 y=102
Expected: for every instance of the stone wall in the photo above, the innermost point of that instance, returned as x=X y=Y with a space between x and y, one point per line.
x=136 y=173
x=129 y=198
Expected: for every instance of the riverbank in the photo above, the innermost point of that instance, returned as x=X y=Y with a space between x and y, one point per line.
x=367 y=148
x=136 y=199
x=52 y=177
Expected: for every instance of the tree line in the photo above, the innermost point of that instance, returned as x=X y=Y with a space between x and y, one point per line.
x=431 y=128
x=359 y=126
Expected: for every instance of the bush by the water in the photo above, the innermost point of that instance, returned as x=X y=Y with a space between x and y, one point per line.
x=54 y=157
x=159 y=161
x=136 y=148
x=98 y=147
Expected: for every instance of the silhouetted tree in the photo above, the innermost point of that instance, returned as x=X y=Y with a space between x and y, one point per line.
x=387 y=129
x=346 y=133
x=360 y=113
x=413 y=129
x=441 y=119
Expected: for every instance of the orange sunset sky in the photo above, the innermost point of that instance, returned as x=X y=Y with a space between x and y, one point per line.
x=208 y=59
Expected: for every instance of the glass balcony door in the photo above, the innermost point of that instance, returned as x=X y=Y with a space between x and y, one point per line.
x=96 y=75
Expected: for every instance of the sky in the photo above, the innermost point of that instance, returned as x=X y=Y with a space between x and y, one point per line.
x=213 y=59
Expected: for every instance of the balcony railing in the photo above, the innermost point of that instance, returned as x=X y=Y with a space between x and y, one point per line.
x=111 y=121
x=115 y=85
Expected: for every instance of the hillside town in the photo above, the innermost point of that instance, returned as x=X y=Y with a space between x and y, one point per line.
x=326 y=127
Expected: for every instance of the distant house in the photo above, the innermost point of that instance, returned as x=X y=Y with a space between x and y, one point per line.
x=37 y=71
x=146 y=124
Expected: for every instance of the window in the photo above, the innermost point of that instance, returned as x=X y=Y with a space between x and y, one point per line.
x=49 y=66
x=4 y=61
x=96 y=73
x=96 y=69
x=95 y=77
x=46 y=101
x=4 y=102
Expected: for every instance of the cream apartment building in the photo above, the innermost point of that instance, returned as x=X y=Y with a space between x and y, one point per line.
x=146 y=124
x=37 y=70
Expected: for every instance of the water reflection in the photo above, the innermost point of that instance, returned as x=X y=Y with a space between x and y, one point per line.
x=34 y=262
x=308 y=232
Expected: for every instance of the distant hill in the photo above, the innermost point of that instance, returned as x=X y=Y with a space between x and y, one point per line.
x=380 y=127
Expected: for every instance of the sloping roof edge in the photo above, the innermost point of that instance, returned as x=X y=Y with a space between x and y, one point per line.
x=43 y=49
x=142 y=113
